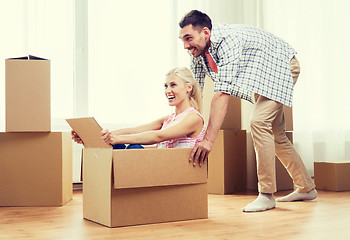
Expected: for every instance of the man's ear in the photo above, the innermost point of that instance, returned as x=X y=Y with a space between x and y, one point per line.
x=206 y=32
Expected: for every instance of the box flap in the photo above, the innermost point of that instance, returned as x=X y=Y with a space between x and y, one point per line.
x=89 y=131
x=135 y=168
x=29 y=57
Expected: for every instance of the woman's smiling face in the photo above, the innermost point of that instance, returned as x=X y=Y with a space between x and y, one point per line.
x=176 y=90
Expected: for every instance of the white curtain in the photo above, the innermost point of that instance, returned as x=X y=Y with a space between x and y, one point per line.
x=319 y=30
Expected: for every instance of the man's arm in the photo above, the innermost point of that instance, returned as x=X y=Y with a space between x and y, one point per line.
x=218 y=110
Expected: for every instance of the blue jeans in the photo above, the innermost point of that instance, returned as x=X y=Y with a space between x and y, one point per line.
x=130 y=146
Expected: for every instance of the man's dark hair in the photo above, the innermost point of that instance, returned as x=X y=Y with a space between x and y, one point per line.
x=197 y=19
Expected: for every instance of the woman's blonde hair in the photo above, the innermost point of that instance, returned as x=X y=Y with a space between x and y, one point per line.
x=187 y=77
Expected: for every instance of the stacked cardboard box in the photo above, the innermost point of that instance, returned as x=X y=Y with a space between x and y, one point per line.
x=227 y=162
x=35 y=163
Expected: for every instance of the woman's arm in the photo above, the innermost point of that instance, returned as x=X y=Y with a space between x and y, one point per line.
x=191 y=124
x=155 y=125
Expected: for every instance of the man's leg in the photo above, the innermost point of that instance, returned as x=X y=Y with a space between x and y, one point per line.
x=289 y=157
x=294 y=165
x=263 y=115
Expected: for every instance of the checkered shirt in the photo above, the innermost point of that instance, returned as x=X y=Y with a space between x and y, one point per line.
x=249 y=60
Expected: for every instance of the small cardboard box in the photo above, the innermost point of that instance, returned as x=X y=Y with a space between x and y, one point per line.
x=27 y=81
x=227 y=163
x=332 y=176
x=138 y=186
x=35 y=169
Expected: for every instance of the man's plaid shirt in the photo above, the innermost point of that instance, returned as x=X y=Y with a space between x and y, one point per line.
x=249 y=60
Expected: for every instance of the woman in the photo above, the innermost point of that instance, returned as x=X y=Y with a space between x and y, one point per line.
x=182 y=129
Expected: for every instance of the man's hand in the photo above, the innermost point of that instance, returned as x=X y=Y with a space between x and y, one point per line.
x=76 y=138
x=200 y=152
x=218 y=109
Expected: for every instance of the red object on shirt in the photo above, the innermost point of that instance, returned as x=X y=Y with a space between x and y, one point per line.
x=211 y=62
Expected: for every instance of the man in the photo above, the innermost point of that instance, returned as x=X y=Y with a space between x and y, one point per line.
x=243 y=60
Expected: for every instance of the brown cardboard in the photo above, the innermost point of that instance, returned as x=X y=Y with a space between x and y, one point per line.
x=227 y=169
x=89 y=131
x=27 y=94
x=283 y=180
x=35 y=169
x=288 y=117
x=232 y=120
x=181 y=170
x=141 y=186
x=138 y=186
x=332 y=176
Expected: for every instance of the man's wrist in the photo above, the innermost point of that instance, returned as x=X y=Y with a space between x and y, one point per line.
x=209 y=139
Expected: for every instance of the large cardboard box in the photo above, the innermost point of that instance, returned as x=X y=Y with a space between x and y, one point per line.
x=35 y=169
x=227 y=163
x=27 y=81
x=138 y=186
x=332 y=176
x=141 y=186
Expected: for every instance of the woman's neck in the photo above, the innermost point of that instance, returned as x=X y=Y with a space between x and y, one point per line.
x=182 y=107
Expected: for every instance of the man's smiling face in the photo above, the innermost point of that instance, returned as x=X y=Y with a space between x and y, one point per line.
x=195 y=39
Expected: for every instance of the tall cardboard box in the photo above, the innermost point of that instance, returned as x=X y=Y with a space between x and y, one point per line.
x=35 y=169
x=288 y=117
x=227 y=163
x=27 y=81
x=141 y=186
x=332 y=176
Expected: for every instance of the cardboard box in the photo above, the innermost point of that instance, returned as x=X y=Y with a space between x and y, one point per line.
x=138 y=186
x=27 y=81
x=227 y=163
x=288 y=117
x=232 y=120
x=332 y=176
x=35 y=169
x=141 y=186
x=283 y=180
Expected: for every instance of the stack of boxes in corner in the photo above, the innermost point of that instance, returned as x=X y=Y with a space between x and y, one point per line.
x=35 y=163
x=233 y=151
x=227 y=162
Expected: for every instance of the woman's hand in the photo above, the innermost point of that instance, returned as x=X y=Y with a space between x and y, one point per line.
x=76 y=138
x=108 y=137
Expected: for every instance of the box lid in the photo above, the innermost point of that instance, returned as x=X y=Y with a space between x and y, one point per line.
x=89 y=131
x=134 y=168
x=29 y=57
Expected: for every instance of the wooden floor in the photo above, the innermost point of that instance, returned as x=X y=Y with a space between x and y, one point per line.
x=326 y=218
